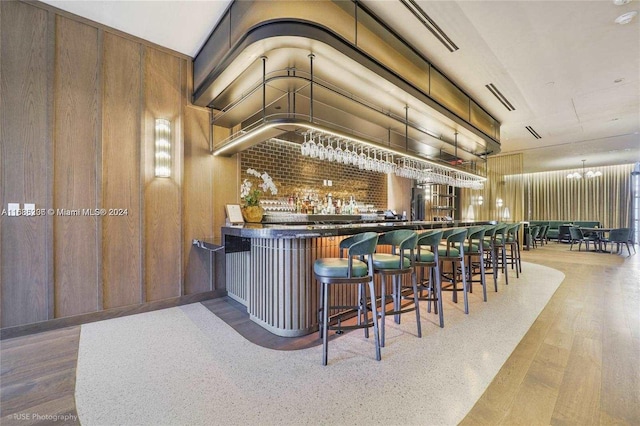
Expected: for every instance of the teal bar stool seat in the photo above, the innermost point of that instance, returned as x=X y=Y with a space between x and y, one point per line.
x=397 y=264
x=349 y=270
x=453 y=251
x=428 y=260
x=474 y=248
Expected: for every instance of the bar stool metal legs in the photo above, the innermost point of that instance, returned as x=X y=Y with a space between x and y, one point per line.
x=396 y=265
x=331 y=272
x=397 y=295
x=362 y=311
x=475 y=247
x=454 y=252
x=427 y=258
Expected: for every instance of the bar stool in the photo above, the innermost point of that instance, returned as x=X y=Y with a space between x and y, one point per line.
x=542 y=235
x=499 y=244
x=533 y=235
x=396 y=265
x=474 y=246
x=450 y=253
x=513 y=241
x=429 y=258
x=340 y=271
x=491 y=259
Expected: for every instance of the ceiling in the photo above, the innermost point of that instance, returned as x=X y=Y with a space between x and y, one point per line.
x=571 y=72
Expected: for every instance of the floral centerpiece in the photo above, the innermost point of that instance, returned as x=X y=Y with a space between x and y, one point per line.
x=250 y=193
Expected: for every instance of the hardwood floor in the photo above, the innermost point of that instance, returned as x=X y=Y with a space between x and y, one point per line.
x=236 y=316
x=578 y=364
x=38 y=378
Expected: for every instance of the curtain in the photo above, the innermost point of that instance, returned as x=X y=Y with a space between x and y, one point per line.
x=551 y=196
x=502 y=198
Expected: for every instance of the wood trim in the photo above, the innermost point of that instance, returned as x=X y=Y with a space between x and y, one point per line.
x=141 y=173
x=99 y=170
x=49 y=244
x=23 y=330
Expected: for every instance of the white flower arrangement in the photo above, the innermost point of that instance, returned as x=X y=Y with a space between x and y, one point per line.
x=251 y=195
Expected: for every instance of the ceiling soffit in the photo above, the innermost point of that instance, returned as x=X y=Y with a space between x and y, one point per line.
x=352 y=90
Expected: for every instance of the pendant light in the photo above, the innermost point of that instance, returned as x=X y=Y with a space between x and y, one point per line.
x=589 y=174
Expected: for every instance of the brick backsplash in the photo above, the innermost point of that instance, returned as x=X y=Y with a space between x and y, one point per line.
x=294 y=174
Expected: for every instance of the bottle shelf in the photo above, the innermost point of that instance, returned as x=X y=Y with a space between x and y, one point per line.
x=441 y=202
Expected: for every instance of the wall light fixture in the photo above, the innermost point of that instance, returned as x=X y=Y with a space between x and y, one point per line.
x=163 y=148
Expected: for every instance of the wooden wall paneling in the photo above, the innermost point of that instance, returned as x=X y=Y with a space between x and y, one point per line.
x=121 y=234
x=24 y=138
x=77 y=111
x=198 y=199
x=226 y=190
x=226 y=181
x=399 y=194
x=162 y=200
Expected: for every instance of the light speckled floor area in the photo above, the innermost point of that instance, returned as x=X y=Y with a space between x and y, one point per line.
x=186 y=366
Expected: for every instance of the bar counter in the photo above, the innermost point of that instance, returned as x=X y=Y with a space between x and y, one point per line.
x=269 y=268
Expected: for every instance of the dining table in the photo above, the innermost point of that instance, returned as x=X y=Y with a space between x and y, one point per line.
x=600 y=234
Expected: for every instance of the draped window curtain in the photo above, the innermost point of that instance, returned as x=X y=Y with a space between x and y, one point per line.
x=551 y=196
x=501 y=184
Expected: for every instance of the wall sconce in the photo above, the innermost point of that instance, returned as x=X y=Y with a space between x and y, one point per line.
x=163 y=148
x=499 y=202
x=506 y=215
x=470 y=214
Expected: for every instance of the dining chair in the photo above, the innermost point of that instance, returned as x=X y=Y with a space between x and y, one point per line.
x=578 y=237
x=618 y=237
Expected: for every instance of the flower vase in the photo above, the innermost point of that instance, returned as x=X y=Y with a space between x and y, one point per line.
x=252 y=214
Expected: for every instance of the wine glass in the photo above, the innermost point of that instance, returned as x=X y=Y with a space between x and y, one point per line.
x=313 y=148
x=354 y=155
x=331 y=153
x=304 y=150
x=338 y=152
x=362 y=159
x=322 y=150
x=347 y=154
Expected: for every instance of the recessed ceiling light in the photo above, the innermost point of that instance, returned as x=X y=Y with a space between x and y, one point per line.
x=620 y=2
x=625 y=18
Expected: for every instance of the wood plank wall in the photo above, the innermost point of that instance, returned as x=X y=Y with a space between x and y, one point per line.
x=78 y=103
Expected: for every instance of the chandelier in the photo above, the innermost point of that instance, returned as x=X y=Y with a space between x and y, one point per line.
x=589 y=174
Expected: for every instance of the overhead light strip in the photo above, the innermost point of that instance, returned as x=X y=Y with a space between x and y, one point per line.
x=422 y=16
x=533 y=132
x=234 y=141
x=503 y=100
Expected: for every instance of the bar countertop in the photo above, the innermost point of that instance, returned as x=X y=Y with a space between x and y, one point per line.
x=278 y=231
